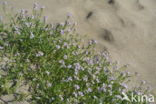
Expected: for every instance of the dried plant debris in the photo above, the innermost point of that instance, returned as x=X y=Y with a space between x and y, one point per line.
x=111 y=1
x=89 y=15
x=107 y=35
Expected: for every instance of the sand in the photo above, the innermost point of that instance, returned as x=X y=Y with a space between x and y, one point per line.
x=126 y=28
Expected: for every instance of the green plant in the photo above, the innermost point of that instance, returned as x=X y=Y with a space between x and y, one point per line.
x=53 y=64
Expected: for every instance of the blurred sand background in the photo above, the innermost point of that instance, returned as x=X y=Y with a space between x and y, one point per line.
x=126 y=28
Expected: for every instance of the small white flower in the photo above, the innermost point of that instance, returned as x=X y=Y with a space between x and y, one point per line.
x=17 y=54
x=111 y=78
x=76 y=72
x=49 y=84
x=78 y=66
x=58 y=47
x=38 y=97
x=110 y=86
x=39 y=54
x=32 y=16
x=95 y=97
x=61 y=97
x=31 y=35
x=61 y=62
x=47 y=72
x=1 y=47
x=28 y=24
x=97 y=80
x=34 y=79
x=75 y=94
x=65 y=56
x=69 y=79
x=103 y=88
x=17 y=32
x=52 y=99
x=89 y=90
x=89 y=61
x=80 y=93
x=16 y=28
x=77 y=87
x=87 y=84
x=2 y=86
x=69 y=66
x=66 y=44
x=27 y=60
x=105 y=55
x=118 y=96
x=20 y=74
x=85 y=78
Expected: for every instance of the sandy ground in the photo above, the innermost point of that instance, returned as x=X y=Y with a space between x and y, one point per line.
x=126 y=28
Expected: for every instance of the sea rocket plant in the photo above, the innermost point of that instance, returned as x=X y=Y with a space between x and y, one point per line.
x=57 y=67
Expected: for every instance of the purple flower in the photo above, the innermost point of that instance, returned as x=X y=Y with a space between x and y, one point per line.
x=89 y=61
x=69 y=79
x=78 y=66
x=89 y=90
x=1 y=47
x=58 y=47
x=80 y=93
x=62 y=32
x=65 y=56
x=49 y=84
x=77 y=87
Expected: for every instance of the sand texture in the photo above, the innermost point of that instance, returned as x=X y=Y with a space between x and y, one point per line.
x=126 y=28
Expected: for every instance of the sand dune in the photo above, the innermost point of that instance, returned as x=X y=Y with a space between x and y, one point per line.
x=126 y=28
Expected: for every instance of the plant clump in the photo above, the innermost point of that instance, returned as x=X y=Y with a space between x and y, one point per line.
x=53 y=64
